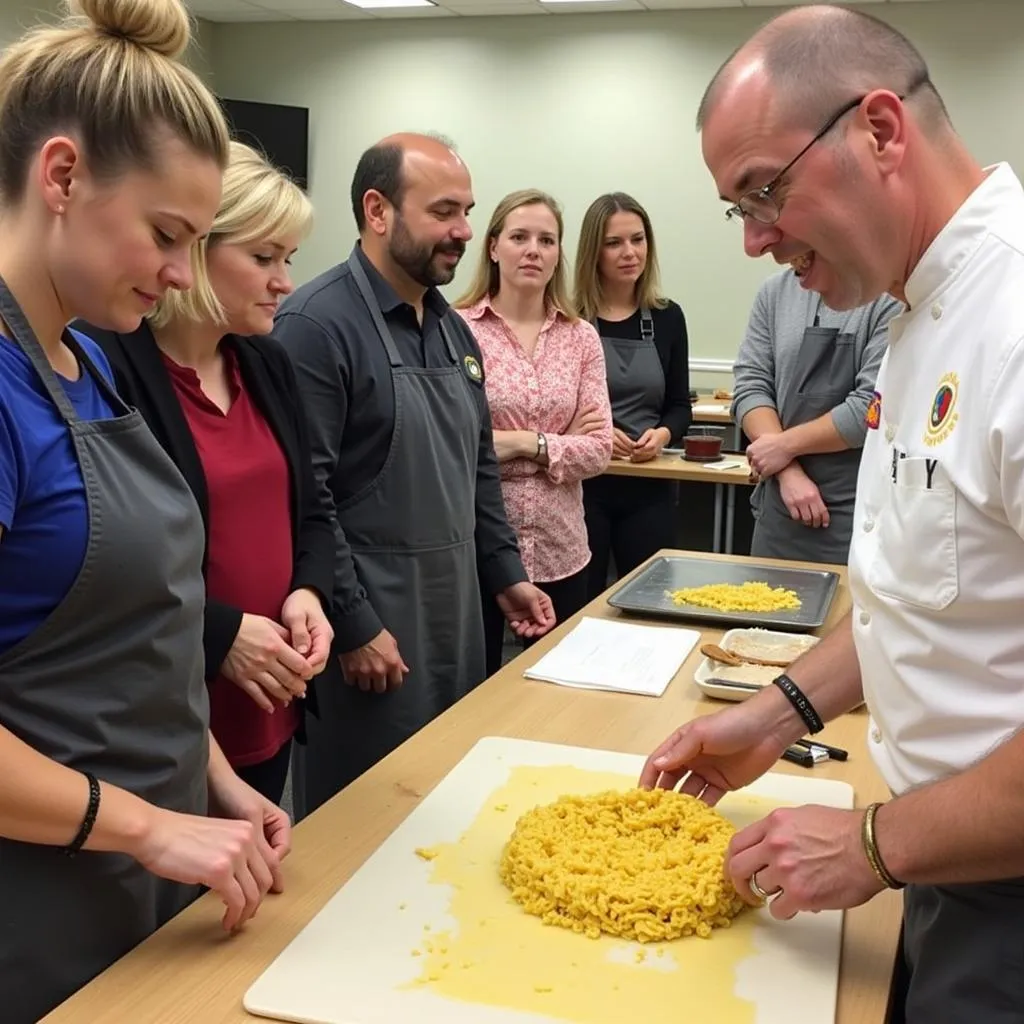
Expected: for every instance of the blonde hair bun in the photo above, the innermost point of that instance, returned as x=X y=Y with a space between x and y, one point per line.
x=163 y=26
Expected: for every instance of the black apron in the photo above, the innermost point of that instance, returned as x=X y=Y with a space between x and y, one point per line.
x=963 y=954
x=412 y=535
x=636 y=379
x=827 y=368
x=112 y=683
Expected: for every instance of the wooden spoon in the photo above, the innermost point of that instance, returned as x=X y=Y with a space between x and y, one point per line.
x=716 y=653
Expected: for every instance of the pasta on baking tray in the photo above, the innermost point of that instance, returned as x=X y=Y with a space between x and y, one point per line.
x=752 y=596
x=641 y=865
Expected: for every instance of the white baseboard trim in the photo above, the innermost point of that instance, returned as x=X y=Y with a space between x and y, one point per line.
x=711 y=365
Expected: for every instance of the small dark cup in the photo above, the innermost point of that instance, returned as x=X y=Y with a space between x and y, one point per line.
x=702 y=446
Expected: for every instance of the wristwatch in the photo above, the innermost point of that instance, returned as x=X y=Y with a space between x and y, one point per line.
x=542 y=447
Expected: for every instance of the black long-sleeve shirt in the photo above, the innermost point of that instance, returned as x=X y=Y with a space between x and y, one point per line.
x=672 y=342
x=345 y=380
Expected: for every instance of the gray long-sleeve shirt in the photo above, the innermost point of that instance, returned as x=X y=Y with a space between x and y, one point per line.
x=768 y=369
x=345 y=379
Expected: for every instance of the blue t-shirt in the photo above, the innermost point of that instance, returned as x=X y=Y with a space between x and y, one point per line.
x=42 y=495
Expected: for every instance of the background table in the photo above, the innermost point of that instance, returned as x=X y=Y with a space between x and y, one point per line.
x=674 y=467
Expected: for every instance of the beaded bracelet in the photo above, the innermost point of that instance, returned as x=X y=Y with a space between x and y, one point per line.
x=90 y=817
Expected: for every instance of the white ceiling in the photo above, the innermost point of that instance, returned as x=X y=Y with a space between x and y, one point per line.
x=338 y=10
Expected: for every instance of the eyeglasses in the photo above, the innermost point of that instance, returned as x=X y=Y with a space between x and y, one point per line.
x=760 y=204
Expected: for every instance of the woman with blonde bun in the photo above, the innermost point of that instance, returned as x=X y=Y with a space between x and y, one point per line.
x=222 y=400
x=115 y=804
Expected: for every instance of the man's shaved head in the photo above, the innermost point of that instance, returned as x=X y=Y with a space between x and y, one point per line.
x=815 y=59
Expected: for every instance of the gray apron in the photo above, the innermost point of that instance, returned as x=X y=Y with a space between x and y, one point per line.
x=112 y=683
x=636 y=379
x=827 y=374
x=411 y=532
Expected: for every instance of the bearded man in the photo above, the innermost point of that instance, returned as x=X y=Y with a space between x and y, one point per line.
x=393 y=385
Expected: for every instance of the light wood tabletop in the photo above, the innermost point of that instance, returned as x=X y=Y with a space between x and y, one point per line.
x=190 y=973
x=712 y=410
x=675 y=467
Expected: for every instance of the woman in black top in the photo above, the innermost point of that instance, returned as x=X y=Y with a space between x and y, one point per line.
x=647 y=360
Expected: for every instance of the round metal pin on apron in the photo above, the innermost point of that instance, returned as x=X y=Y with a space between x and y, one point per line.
x=412 y=536
x=828 y=373
x=636 y=379
x=112 y=683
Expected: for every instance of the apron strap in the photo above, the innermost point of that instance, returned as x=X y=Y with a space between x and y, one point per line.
x=114 y=400
x=448 y=343
x=646 y=325
x=363 y=283
x=24 y=337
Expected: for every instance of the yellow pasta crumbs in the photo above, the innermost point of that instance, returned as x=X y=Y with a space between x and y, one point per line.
x=427 y=853
x=737 y=597
x=643 y=865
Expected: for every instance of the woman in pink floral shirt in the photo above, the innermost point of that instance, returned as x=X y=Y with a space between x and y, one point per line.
x=545 y=378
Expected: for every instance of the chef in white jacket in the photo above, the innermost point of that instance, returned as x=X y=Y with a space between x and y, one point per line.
x=883 y=196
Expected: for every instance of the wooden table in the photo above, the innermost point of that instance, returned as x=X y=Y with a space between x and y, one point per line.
x=717 y=411
x=712 y=410
x=189 y=973
x=674 y=467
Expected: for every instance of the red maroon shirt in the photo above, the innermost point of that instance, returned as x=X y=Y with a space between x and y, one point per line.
x=249 y=560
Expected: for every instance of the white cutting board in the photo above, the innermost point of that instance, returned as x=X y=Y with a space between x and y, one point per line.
x=354 y=963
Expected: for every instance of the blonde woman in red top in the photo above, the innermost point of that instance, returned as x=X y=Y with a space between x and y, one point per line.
x=221 y=398
x=544 y=373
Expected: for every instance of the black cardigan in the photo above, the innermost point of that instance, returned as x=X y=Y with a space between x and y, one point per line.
x=143 y=382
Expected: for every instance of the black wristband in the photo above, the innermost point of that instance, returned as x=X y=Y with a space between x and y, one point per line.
x=90 y=816
x=804 y=708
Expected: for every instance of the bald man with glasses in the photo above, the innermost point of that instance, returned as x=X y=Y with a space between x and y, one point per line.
x=884 y=196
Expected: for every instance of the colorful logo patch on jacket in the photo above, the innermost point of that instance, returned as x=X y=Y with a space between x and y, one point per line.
x=873 y=417
x=473 y=369
x=943 y=415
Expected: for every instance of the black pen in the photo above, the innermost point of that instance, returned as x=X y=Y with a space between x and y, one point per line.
x=834 y=753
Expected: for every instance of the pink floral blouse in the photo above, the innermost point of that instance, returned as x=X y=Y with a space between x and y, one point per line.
x=544 y=504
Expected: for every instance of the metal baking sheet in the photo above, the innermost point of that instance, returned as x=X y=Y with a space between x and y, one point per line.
x=646 y=593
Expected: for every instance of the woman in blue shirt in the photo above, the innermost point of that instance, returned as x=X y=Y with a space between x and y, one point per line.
x=111 y=154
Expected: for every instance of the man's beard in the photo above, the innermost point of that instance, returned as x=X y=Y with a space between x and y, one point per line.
x=420 y=262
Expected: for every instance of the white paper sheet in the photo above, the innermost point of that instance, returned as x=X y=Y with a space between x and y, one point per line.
x=621 y=656
x=706 y=408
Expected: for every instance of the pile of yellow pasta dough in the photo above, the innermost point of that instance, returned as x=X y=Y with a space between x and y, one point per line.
x=641 y=865
x=752 y=596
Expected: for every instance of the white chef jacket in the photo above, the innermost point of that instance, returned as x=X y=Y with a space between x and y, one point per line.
x=937 y=558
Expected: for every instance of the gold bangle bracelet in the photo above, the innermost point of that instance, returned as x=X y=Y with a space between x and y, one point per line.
x=870 y=845
x=867 y=841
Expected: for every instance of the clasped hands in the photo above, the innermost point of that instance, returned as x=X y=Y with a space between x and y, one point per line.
x=273 y=662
